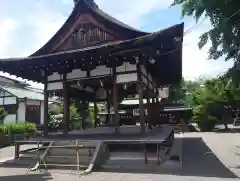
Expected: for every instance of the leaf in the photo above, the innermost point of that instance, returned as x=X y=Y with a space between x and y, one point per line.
x=203 y=40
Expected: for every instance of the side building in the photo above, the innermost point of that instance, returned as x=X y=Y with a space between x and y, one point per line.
x=21 y=102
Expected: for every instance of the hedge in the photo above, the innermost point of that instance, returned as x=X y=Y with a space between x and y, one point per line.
x=18 y=128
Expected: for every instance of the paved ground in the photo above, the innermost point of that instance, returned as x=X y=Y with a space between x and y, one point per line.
x=207 y=157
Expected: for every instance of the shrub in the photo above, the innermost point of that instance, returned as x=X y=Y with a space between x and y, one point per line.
x=3 y=114
x=3 y=130
x=207 y=124
x=18 y=128
x=55 y=122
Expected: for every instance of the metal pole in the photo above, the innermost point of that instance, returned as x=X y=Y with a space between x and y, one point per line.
x=78 y=162
x=158 y=152
x=17 y=148
x=145 y=153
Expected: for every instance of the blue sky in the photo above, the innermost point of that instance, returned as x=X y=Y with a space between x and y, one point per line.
x=26 y=25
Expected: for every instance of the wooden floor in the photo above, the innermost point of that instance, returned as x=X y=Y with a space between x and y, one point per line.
x=107 y=134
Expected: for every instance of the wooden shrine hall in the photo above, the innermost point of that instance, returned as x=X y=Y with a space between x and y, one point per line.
x=94 y=57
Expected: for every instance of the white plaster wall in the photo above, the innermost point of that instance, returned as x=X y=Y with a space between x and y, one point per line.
x=33 y=102
x=100 y=70
x=10 y=100
x=55 y=86
x=77 y=73
x=11 y=118
x=42 y=113
x=21 y=112
x=54 y=76
x=126 y=66
x=1 y=101
x=126 y=78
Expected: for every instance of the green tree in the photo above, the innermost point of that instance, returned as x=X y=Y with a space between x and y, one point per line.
x=216 y=99
x=183 y=92
x=3 y=114
x=224 y=16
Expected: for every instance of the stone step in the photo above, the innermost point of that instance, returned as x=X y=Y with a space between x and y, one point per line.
x=64 y=166
x=20 y=162
x=67 y=160
x=70 y=152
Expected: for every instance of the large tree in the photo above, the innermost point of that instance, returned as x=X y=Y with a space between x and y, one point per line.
x=224 y=16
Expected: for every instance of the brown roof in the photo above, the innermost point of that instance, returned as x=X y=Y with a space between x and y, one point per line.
x=82 y=6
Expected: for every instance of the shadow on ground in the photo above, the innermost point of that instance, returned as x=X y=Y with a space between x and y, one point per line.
x=230 y=130
x=35 y=177
x=198 y=160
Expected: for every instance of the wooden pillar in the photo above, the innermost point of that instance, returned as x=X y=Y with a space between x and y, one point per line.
x=17 y=150
x=149 y=116
x=95 y=114
x=108 y=108
x=140 y=94
x=115 y=103
x=65 y=105
x=45 y=111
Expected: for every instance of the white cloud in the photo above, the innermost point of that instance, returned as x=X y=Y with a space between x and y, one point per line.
x=7 y=27
x=195 y=61
x=47 y=20
x=131 y=12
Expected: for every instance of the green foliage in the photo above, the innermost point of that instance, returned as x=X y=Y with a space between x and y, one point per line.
x=224 y=17
x=18 y=128
x=55 y=122
x=58 y=110
x=3 y=114
x=212 y=100
x=182 y=92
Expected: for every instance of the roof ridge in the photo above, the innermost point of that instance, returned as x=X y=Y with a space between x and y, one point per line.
x=90 y=3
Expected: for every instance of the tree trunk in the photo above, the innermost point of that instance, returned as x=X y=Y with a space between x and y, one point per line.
x=225 y=126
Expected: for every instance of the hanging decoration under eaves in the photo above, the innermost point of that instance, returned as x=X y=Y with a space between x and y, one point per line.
x=157 y=51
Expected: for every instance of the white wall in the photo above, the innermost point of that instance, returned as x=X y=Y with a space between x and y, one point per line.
x=8 y=100
x=42 y=112
x=33 y=102
x=11 y=118
x=21 y=111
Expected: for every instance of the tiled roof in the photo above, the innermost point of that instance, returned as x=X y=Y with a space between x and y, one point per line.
x=23 y=93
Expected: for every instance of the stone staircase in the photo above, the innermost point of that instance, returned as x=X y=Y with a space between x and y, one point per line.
x=27 y=158
x=73 y=155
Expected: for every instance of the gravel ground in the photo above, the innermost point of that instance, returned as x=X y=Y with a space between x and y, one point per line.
x=206 y=157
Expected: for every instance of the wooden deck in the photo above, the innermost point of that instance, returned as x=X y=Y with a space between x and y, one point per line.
x=129 y=134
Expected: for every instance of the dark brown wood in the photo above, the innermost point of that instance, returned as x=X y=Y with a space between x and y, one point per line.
x=149 y=116
x=87 y=34
x=45 y=107
x=108 y=108
x=33 y=114
x=115 y=103
x=140 y=94
x=65 y=105
x=95 y=115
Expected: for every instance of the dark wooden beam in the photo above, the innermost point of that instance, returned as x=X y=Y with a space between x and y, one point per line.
x=108 y=108
x=115 y=103
x=65 y=105
x=45 y=107
x=140 y=94
x=95 y=114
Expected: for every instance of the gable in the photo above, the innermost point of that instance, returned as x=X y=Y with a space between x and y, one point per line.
x=86 y=31
x=6 y=80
